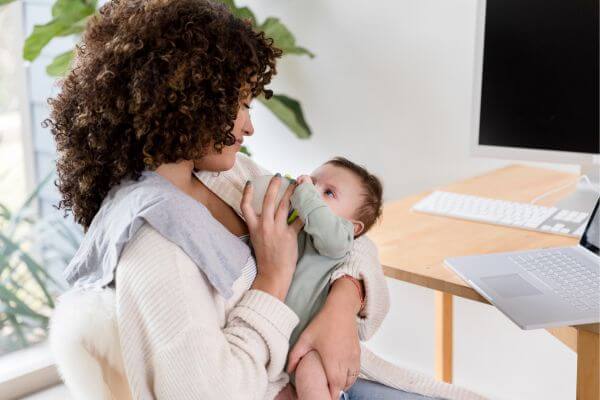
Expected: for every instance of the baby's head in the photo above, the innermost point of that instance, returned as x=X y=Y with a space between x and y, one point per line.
x=350 y=191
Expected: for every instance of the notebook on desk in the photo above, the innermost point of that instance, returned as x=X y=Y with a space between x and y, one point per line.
x=541 y=288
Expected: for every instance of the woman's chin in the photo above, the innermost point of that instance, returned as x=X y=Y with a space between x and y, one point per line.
x=216 y=162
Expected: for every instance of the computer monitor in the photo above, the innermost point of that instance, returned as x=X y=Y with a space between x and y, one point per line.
x=536 y=85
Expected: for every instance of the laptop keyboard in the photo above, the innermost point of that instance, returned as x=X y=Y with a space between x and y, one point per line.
x=568 y=278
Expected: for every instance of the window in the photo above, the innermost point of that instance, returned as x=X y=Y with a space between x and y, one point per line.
x=35 y=242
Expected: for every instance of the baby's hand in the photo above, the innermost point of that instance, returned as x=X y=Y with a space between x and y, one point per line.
x=304 y=179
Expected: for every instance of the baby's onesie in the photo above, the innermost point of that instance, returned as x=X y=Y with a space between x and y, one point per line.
x=322 y=246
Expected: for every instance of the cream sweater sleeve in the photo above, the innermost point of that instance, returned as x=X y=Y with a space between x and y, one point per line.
x=363 y=263
x=177 y=341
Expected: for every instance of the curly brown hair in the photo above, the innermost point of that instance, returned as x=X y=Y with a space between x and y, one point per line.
x=154 y=81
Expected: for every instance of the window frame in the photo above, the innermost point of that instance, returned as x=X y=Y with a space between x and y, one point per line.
x=27 y=371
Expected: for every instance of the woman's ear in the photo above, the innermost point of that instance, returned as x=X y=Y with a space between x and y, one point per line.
x=359 y=227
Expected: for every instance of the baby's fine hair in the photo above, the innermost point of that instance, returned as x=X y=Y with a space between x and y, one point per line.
x=370 y=210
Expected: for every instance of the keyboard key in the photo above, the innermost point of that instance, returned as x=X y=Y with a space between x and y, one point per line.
x=580 y=217
x=561 y=215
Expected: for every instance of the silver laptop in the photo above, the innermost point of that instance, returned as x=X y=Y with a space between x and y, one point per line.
x=541 y=288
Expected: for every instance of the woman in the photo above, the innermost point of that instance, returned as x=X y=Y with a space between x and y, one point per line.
x=156 y=83
x=157 y=102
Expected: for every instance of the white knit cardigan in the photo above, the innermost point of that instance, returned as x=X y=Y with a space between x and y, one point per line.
x=174 y=337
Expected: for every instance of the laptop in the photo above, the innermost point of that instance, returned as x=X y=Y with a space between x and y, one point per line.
x=540 y=288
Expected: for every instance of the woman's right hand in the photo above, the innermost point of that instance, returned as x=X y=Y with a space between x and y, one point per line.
x=275 y=242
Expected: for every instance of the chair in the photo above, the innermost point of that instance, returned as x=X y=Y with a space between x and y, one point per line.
x=85 y=342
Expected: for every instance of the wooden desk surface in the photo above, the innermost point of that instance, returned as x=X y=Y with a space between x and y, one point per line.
x=413 y=245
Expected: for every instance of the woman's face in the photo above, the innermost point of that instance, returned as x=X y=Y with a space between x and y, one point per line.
x=225 y=160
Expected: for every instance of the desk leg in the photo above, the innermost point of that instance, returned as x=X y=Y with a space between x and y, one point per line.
x=443 y=336
x=588 y=365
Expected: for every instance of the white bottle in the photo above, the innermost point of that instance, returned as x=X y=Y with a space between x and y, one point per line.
x=260 y=185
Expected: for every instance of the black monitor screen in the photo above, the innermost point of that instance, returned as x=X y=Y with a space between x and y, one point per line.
x=591 y=236
x=540 y=75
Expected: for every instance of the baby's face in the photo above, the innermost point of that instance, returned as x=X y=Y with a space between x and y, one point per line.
x=340 y=188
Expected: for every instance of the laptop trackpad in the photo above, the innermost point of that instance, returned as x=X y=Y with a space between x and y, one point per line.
x=510 y=285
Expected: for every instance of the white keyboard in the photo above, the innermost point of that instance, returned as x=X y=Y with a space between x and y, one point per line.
x=569 y=278
x=507 y=213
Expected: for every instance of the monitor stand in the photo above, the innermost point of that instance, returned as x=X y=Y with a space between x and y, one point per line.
x=586 y=194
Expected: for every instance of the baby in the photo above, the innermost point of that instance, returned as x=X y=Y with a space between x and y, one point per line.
x=339 y=202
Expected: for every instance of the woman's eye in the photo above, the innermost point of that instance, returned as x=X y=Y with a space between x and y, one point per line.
x=247 y=106
x=329 y=193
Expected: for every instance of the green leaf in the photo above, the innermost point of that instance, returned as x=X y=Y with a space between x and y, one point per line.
x=282 y=37
x=19 y=215
x=65 y=7
x=244 y=13
x=18 y=330
x=240 y=12
x=229 y=3
x=19 y=307
x=63 y=24
x=61 y=7
x=245 y=151
x=32 y=265
x=61 y=64
x=289 y=111
x=4 y=212
x=3 y=2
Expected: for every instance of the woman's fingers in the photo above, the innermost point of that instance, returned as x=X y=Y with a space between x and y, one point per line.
x=336 y=381
x=268 y=208
x=246 y=206
x=284 y=205
x=297 y=225
x=352 y=375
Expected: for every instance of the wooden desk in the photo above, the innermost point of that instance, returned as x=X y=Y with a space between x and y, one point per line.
x=413 y=247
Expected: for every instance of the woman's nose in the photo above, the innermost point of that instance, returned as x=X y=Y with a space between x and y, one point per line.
x=248 y=128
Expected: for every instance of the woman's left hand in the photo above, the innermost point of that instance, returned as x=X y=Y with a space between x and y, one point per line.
x=334 y=335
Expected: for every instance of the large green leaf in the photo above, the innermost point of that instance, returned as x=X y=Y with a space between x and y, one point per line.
x=283 y=38
x=245 y=13
x=65 y=23
x=61 y=64
x=240 y=12
x=64 y=7
x=289 y=111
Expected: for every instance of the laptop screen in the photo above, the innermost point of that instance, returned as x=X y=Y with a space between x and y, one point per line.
x=591 y=236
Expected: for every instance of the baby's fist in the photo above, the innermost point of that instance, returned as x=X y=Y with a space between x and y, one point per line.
x=304 y=179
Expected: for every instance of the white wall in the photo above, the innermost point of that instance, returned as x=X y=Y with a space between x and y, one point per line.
x=391 y=88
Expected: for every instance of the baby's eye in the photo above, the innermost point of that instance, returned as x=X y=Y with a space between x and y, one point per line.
x=329 y=193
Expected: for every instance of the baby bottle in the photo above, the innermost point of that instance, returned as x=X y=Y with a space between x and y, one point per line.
x=260 y=185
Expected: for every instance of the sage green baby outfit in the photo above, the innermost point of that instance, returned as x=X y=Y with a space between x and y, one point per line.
x=322 y=246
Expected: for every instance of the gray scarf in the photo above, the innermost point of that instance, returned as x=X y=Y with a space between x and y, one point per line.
x=154 y=200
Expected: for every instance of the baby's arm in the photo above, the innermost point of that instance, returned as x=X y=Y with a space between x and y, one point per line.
x=332 y=235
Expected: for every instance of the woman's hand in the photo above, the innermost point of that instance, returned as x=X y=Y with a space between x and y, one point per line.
x=334 y=335
x=275 y=242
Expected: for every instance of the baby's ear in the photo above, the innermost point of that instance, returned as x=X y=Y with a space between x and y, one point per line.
x=359 y=227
